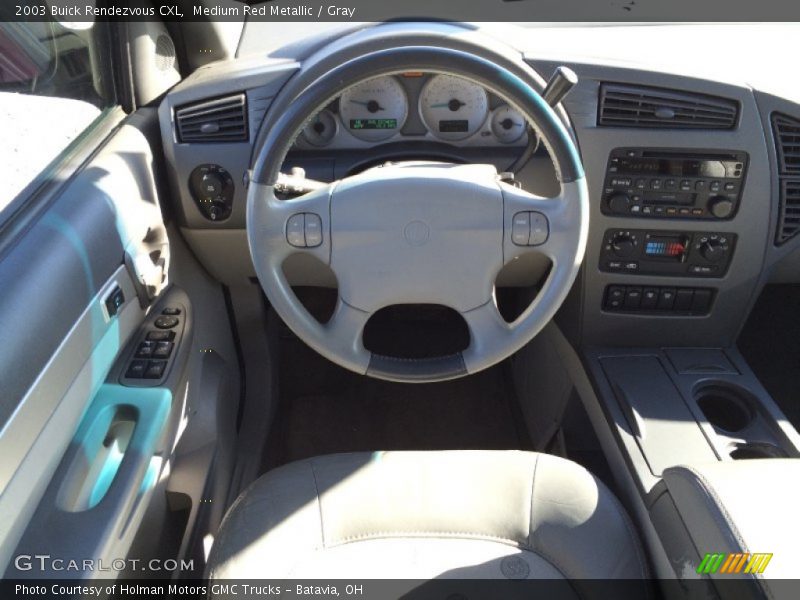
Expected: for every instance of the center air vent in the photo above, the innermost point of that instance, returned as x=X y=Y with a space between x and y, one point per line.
x=654 y=108
x=219 y=120
x=786 y=132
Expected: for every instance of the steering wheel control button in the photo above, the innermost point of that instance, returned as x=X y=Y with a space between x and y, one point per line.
x=529 y=229
x=160 y=336
x=295 y=231
x=166 y=322
x=136 y=369
x=521 y=229
x=313 y=230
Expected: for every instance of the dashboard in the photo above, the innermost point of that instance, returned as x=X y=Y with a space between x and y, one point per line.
x=691 y=208
x=415 y=106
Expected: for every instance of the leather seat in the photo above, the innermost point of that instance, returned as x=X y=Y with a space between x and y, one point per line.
x=424 y=515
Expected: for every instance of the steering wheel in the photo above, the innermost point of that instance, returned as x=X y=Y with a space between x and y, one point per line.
x=416 y=232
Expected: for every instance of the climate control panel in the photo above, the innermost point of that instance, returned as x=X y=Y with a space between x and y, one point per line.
x=679 y=254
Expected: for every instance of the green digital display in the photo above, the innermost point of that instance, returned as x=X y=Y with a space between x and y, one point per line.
x=373 y=123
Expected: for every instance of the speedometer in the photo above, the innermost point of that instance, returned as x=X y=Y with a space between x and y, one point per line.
x=375 y=109
x=453 y=108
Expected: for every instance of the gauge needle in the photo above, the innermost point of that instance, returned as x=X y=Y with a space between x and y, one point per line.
x=453 y=104
x=372 y=105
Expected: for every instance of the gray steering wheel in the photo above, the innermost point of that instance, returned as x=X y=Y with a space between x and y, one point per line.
x=416 y=232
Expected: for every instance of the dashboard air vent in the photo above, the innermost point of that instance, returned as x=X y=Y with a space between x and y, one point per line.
x=787 y=141
x=219 y=120
x=649 y=107
x=786 y=132
x=789 y=219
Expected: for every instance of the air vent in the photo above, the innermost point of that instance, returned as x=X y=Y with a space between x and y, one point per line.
x=789 y=221
x=787 y=142
x=786 y=132
x=635 y=106
x=220 y=120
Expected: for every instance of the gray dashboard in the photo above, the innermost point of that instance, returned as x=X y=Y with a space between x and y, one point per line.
x=222 y=246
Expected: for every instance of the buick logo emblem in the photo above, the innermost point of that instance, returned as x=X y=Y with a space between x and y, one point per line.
x=416 y=233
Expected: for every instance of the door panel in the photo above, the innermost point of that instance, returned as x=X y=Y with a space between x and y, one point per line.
x=60 y=339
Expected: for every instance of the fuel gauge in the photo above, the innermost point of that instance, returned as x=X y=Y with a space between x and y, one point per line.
x=321 y=129
x=508 y=124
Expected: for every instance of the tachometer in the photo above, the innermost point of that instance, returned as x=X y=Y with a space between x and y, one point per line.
x=508 y=124
x=453 y=108
x=375 y=109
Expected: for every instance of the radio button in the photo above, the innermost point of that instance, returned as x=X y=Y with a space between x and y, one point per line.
x=671 y=210
x=686 y=185
x=700 y=185
x=730 y=186
x=715 y=186
x=720 y=206
x=641 y=184
x=670 y=184
x=655 y=184
x=619 y=204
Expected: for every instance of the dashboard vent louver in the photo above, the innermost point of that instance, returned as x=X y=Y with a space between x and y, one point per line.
x=219 y=120
x=649 y=107
x=786 y=132
x=787 y=140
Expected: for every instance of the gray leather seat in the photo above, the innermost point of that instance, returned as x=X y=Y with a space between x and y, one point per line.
x=423 y=515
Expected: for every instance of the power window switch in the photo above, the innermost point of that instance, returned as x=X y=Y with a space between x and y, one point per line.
x=295 y=231
x=683 y=299
x=633 y=298
x=145 y=349
x=155 y=369
x=171 y=311
x=313 y=230
x=162 y=350
x=136 y=369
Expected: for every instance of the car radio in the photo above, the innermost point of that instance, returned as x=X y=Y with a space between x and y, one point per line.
x=679 y=254
x=644 y=182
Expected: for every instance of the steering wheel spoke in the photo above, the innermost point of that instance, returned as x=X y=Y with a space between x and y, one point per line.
x=289 y=226
x=544 y=225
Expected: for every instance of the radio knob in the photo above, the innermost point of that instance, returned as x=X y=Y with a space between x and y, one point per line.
x=713 y=250
x=720 y=206
x=620 y=204
x=623 y=245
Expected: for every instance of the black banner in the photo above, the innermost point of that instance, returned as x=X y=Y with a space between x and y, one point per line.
x=384 y=10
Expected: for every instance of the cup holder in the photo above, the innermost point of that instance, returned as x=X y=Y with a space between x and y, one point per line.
x=752 y=450
x=726 y=407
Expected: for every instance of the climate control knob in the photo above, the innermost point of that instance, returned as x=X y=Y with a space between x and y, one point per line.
x=713 y=250
x=620 y=204
x=623 y=245
x=720 y=206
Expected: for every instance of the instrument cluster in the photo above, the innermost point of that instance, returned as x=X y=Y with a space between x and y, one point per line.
x=415 y=106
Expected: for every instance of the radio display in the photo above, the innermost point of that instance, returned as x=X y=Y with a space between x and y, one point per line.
x=663 y=246
x=676 y=168
x=373 y=123
x=454 y=126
